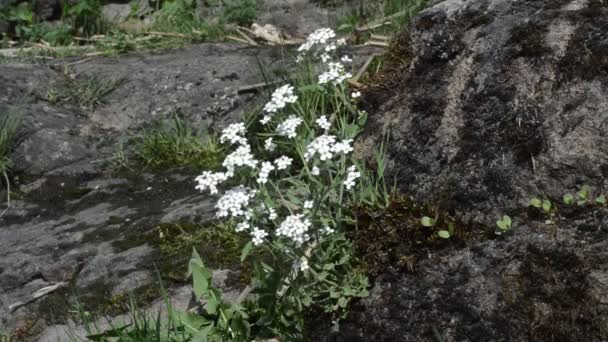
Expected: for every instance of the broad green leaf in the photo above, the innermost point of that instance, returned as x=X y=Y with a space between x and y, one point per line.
x=536 y=202
x=192 y=323
x=246 y=250
x=568 y=199
x=342 y=302
x=546 y=205
x=601 y=200
x=444 y=234
x=427 y=221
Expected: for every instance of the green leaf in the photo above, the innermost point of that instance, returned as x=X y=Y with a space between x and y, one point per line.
x=601 y=200
x=583 y=193
x=427 y=221
x=246 y=250
x=444 y=234
x=546 y=205
x=192 y=323
x=536 y=202
x=568 y=199
x=342 y=302
x=504 y=223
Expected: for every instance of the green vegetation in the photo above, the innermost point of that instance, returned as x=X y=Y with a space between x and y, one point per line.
x=240 y=12
x=175 y=143
x=87 y=93
x=387 y=17
x=503 y=225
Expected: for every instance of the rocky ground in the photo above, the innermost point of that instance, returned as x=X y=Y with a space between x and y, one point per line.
x=77 y=219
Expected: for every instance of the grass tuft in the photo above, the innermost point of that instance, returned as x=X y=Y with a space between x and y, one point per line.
x=175 y=143
x=86 y=94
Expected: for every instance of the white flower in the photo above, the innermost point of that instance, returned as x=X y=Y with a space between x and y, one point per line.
x=234 y=133
x=269 y=145
x=335 y=75
x=343 y=147
x=210 y=180
x=272 y=214
x=325 y=57
x=355 y=94
x=315 y=171
x=322 y=145
x=308 y=204
x=242 y=226
x=265 y=119
x=346 y=59
x=288 y=127
x=234 y=202
x=353 y=174
x=295 y=227
x=283 y=162
x=304 y=264
x=258 y=236
x=327 y=230
x=280 y=98
x=323 y=122
x=267 y=167
x=320 y=37
x=240 y=157
x=341 y=41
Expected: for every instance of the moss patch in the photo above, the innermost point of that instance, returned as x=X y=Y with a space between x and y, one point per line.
x=394 y=236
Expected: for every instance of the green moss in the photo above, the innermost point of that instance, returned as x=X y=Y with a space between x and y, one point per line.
x=394 y=236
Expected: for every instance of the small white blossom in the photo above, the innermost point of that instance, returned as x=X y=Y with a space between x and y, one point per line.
x=355 y=94
x=266 y=119
x=267 y=167
x=335 y=75
x=325 y=57
x=234 y=202
x=242 y=226
x=346 y=59
x=295 y=227
x=240 y=157
x=234 y=133
x=258 y=236
x=269 y=145
x=341 y=41
x=327 y=230
x=323 y=122
x=322 y=145
x=280 y=98
x=288 y=127
x=272 y=214
x=304 y=264
x=315 y=171
x=210 y=180
x=343 y=147
x=283 y=162
x=308 y=204
x=353 y=174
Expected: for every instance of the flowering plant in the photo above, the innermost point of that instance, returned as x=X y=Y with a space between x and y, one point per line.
x=286 y=186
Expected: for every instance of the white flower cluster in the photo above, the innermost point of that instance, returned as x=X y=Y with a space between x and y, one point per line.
x=240 y=157
x=295 y=227
x=353 y=174
x=269 y=145
x=234 y=133
x=335 y=75
x=318 y=37
x=283 y=162
x=258 y=236
x=267 y=167
x=304 y=264
x=326 y=147
x=288 y=127
x=323 y=122
x=210 y=180
x=234 y=202
x=280 y=98
x=242 y=226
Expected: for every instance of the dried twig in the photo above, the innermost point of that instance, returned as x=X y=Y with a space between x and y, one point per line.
x=246 y=37
x=375 y=43
x=255 y=87
x=363 y=69
x=237 y=39
x=36 y=295
x=380 y=22
x=168 y=34
x=379 y=37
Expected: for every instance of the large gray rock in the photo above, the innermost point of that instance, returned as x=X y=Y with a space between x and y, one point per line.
x=493 y=103
x=496 y=102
